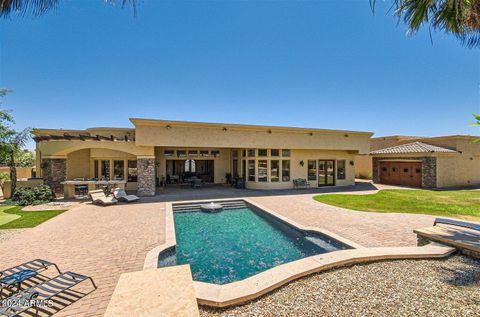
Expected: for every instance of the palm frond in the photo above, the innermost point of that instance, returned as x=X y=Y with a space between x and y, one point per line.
x=26 y=7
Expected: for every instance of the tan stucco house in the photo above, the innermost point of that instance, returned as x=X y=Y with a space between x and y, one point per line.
x=157 y=151
x=433 y=162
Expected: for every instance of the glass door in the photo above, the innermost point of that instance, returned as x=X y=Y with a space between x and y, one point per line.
x=326 y=172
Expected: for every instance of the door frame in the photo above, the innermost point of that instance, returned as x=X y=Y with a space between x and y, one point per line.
x=334 y=163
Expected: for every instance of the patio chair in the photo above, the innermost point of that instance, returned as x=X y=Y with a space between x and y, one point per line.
x=98 y=198
x=22 y=301
x=14 y=276
x=121 y=195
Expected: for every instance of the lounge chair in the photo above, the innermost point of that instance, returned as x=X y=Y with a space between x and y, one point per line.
x=14 y=276
x=21 y=301
x=98 y=198
x=121 y=195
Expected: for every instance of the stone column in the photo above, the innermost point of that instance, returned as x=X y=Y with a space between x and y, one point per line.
x=429 y=172
x=54 y=171
x=146 y=176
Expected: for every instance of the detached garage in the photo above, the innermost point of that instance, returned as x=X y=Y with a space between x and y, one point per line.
x=417 y=164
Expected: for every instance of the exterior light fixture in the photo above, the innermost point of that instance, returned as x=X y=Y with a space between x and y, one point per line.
x=224 y=129
x=311 y=134
x=302 y=163
x=269 y=131
x=168 y=127
x=352 y=163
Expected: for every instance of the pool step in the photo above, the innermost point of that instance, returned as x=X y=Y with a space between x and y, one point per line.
x=196 y=207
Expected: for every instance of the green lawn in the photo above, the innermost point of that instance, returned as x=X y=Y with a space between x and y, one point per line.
x=463 y=204
x=12 y=217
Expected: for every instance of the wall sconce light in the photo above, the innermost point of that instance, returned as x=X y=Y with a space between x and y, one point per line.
x=346 y=135
x=224 y=129
x=269 y=131
x=352 y=163
x=311 y=134
x=168 y=127
x=302 y=163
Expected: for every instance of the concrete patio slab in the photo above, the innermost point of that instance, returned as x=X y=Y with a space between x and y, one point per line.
x=167 y=292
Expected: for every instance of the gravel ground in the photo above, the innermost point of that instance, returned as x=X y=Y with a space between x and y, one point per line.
x=449 y=287
x=9 y=234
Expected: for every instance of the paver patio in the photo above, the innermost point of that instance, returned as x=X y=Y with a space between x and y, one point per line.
x=104 y=242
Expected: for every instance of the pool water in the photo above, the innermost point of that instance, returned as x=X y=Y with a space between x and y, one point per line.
x=237 y=243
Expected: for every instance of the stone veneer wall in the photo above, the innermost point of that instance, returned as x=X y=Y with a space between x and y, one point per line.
x=146 y=177
x=429 y=169
x=54 y=171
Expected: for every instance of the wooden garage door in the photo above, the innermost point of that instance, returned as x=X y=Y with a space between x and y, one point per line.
x=401 y=173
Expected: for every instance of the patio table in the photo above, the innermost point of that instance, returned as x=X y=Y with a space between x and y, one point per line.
x=16 y=279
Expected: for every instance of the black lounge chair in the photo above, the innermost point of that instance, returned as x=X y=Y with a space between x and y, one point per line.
x=22 y=301
x=17 y=274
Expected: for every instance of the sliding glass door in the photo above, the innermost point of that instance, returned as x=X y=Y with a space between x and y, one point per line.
x=326 y=172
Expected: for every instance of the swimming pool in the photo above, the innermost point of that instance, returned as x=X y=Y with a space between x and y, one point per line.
x=238 y=242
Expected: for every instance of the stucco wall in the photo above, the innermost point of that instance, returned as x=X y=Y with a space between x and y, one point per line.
x=78 y=164
x=22 y=172
x=462 y=169
x=217 y=137
x=363 y=166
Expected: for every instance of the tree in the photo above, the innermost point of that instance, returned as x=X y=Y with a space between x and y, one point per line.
x=11 y=142
x=36 y=8
x=460 y=18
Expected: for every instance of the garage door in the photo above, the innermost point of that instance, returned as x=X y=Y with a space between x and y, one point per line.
x=401 y=173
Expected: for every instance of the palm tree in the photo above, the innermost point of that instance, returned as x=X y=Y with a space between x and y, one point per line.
x=461 y=18
x=12 y=150
x=38 y=7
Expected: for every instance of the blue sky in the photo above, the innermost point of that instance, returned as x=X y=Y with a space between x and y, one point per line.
x=325 y=64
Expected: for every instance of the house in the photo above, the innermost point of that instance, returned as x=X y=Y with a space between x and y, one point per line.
x=434 y=162
x=155 y=152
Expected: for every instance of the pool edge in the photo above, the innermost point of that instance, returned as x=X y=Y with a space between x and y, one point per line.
x=245 y=290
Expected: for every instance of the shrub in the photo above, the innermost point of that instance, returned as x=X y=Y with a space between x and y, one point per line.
x=33 y=196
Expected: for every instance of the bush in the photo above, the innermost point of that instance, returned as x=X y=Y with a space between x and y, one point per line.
x=33 y=196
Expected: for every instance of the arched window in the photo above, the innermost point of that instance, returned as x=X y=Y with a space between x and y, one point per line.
x=190 y=166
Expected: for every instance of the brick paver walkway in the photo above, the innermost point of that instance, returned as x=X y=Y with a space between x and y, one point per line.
x=104 y=242
x=101 y=242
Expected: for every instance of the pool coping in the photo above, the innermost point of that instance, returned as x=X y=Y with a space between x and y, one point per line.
x=259 y=284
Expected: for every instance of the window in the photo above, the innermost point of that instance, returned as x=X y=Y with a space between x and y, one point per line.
x=418 y=171
x=204 y=153
x=105 y=169
x=405 y=170
x=274 y=170
x=181 y=153
x=216 y=153
x=192 y=153
x=190 y=166
x=274 y=152
x=118 y=169
x=341 y=169
x=286 y=153
x=262 y=171
x=168 y=153
x=312 y=170
x=262 y=152
x=394 y=169
x=384 y=169
x=251 y=153
x=285 y=171
x=251 y=170
x=132 y=171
